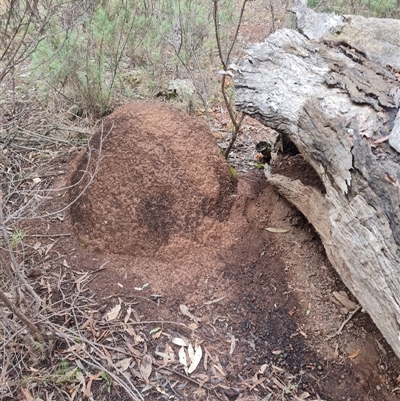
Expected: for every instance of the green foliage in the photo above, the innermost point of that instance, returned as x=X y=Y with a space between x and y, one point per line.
x=84 y=60
x=62 y=367
x=368 y=8
x=232 y=171
x=290 y=388
x=120 y=48
x=107 y=378
x=16 y=238
x=382 y=8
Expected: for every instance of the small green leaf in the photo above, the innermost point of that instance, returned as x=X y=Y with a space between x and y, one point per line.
x=152 y=331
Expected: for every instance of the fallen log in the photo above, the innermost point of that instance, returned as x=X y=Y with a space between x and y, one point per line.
x=333 y=90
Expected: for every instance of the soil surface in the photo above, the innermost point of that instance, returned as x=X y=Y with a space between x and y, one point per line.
x=250 y=283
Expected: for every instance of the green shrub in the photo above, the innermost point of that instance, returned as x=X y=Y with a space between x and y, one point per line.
x=84 y=60
x=368 y=8
x=91 y=56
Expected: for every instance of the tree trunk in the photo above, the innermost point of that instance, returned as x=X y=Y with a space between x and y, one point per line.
x=333 y=90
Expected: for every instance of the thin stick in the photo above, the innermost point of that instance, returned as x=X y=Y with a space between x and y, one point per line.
x=236 y=121
x=351 y=314
x=31 y=326
x=181 y=375
x=48 y=235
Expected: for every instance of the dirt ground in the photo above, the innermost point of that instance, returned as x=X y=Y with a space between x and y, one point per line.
x=254 y=290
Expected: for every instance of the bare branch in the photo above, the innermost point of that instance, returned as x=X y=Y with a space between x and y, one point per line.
x=236 y=120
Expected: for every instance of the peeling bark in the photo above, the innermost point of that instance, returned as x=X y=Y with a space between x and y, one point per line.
x=333 y=89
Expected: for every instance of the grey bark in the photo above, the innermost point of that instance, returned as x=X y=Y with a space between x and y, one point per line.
x=334 y=89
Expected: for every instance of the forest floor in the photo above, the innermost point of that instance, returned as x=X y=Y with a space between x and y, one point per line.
x=260 y=303
x=258 y=313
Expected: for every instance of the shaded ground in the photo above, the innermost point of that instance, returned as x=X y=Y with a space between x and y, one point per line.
x=260 y=304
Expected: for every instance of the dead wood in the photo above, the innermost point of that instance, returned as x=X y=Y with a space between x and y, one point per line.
x=333 y=90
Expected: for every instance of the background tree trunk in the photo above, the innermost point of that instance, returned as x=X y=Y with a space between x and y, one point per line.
x=333 y=89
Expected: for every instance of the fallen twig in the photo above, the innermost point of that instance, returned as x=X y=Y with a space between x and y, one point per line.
x=351 y=314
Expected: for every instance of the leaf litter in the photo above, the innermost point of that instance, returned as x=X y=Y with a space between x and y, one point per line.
x=116 y=349
x=99 y=348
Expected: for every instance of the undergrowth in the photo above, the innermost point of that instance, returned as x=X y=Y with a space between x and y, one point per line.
x=368 y=8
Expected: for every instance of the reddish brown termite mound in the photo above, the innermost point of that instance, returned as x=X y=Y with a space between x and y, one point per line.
x=160 y=183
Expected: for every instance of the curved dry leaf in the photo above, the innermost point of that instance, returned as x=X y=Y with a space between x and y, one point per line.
x=182 y=357
x=185 y=311
x=190 y=352
x=193 y=326
x=114 y=312
x=146 y=367
x=214 y=301
x=180 y=342
x=138 y=339
x=152 y=331
x=26 y=394
x=262 y=369
x=354 y=354
x=233 y=345
x=87 y=392
x=124 y=363
x=196 y=359
x=276 y=230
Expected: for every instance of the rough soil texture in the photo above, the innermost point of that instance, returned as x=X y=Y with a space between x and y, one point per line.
x=263 y=299
x=161 y=183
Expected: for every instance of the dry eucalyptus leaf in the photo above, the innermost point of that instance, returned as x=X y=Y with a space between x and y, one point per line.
x=114 y=312
x=219 y=368
x=87 y=392
x=138 y=339
x=185 y=311
x=124 y=364
x=354 y=354
x=193 y=326
x=180 y=342
x=168 y=356
x=160 y=390
x=146 y=367
x=196 y=359
x=190 y=352
x=276 y=230
x=233 y=345
x=262 y=369
x=214 y=301
x=26 y=394
x=156 y=335
x=183 y=358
